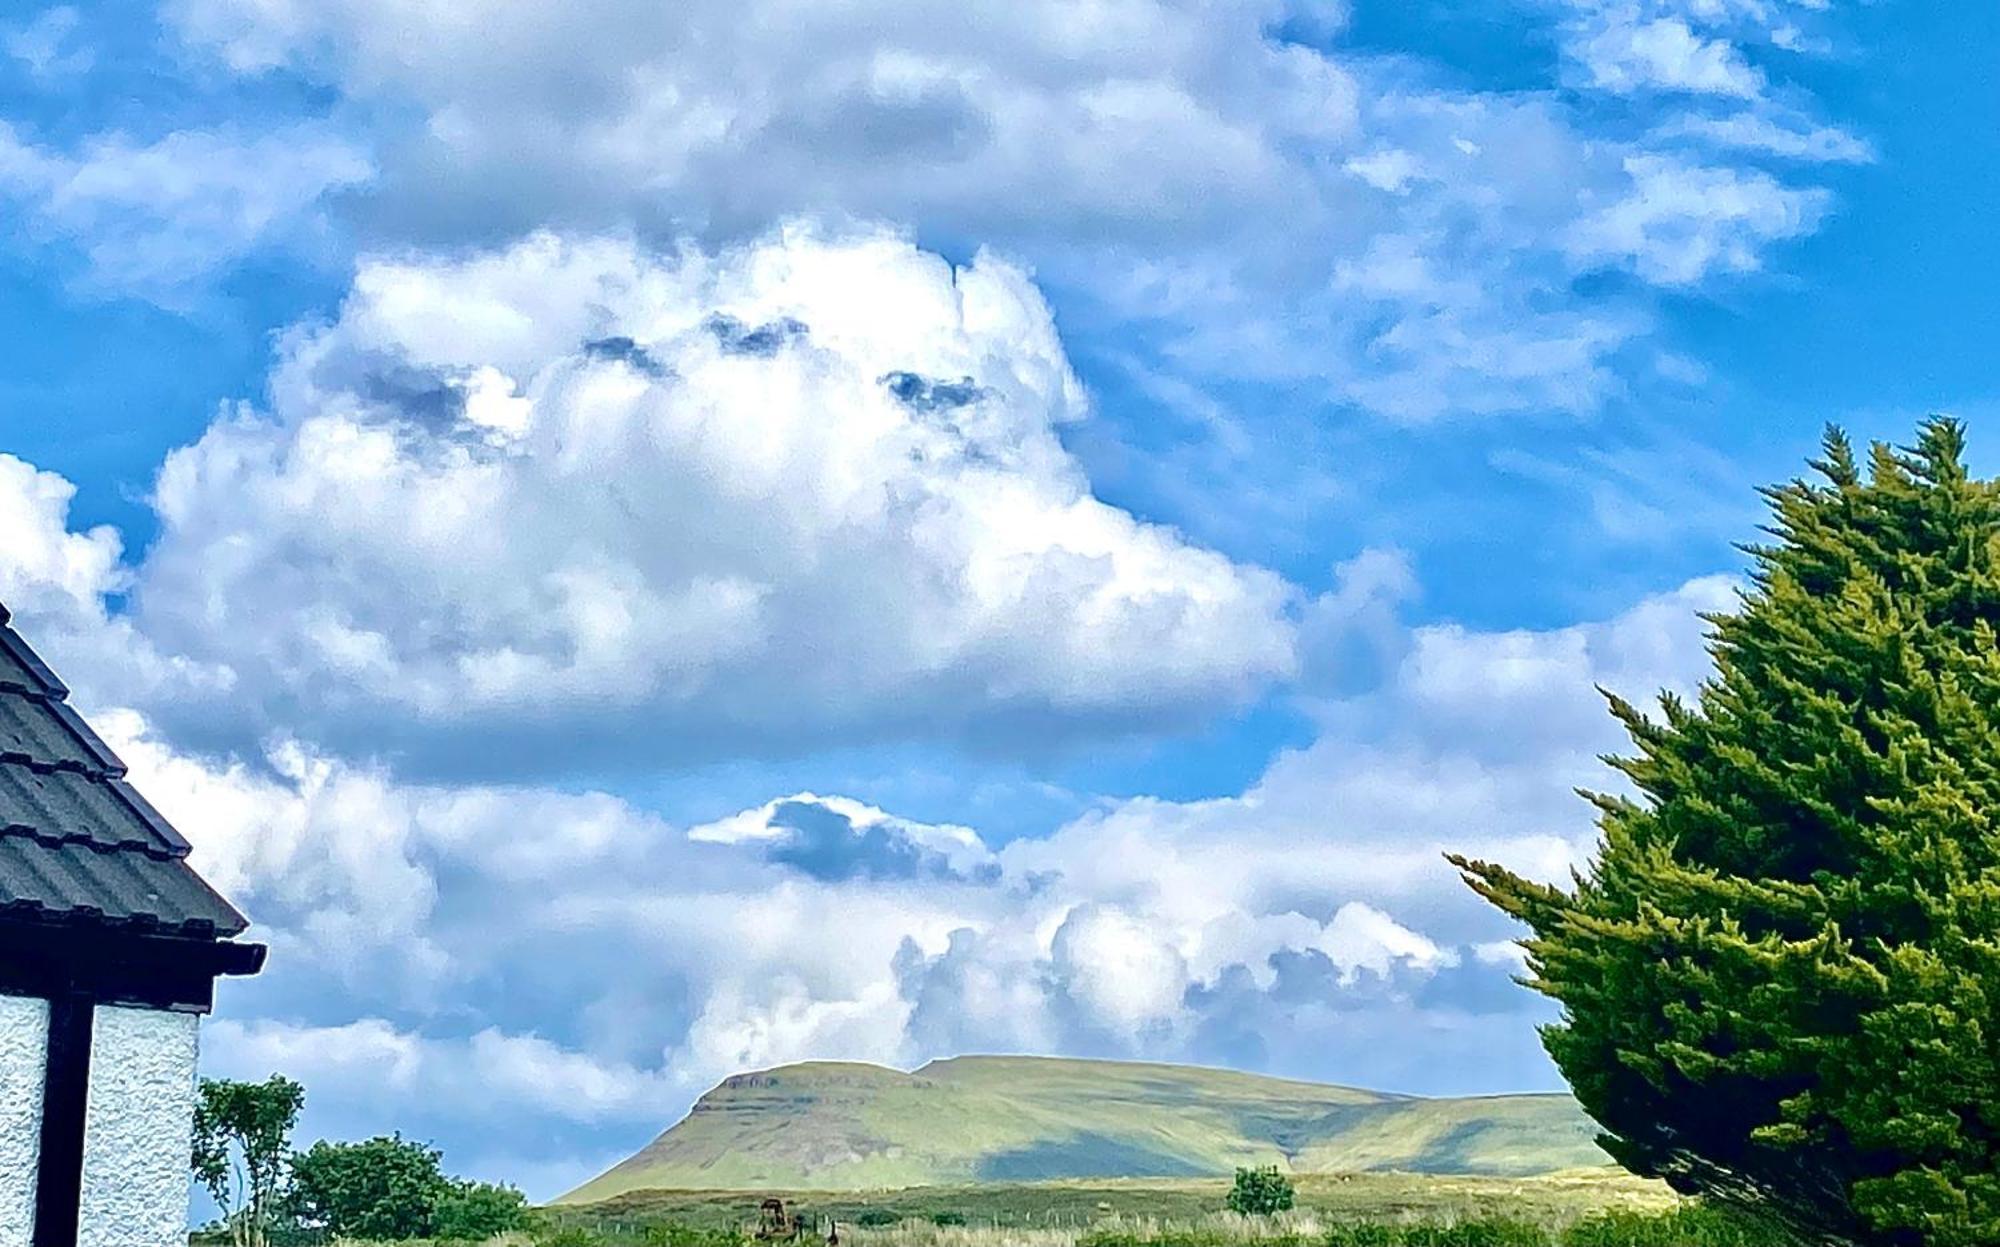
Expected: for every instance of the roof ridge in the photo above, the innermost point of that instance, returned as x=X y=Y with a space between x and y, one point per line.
x=23 y=653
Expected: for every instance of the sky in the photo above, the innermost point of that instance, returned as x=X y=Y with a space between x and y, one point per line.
x=642 y=541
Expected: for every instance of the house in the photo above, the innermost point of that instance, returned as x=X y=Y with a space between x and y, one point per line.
x=110 y=946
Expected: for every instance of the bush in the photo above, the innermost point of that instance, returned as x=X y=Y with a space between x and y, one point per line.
x=568 y=1236
x=947 y=1217
x=1260 y=1192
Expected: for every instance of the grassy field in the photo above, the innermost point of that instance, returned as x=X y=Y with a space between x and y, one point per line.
x=1014 y=1120
x=1586 y=1208
x=1062 y=1212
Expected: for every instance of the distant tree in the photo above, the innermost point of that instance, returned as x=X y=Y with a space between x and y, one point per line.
x=1260 y=1192
x=476 y=1211
x=242 y=1136
x=1780 y=976
x=385 y=1188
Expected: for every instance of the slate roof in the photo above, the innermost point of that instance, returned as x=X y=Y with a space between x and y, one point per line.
x=78 y=843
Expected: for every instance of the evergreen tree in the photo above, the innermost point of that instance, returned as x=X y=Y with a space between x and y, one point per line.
x=1780 y=975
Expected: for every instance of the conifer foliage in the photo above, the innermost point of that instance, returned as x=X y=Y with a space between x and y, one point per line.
x=1780 y=975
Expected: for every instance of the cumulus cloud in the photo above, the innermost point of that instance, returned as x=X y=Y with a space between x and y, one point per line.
x=158 y=218
x=573 y=960
x=1254 y=198
x=1308 y=925
x=619 y=500
x=58 y=582
x=575 y=495
x=1295 y=927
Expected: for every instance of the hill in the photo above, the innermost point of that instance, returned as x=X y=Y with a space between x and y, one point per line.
x=834 y=1126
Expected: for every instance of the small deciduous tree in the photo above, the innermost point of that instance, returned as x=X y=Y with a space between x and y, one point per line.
x=476 y=1211
x=1780 y=976
x=1260 y=1192
x=383 y=1188
x=242 y=1138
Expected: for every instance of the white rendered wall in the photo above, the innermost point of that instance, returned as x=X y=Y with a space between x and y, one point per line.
x=139 y=1132
x=24 y=1051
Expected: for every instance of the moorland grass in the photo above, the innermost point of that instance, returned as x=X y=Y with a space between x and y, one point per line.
x=1403 y=1222
x=1076 y=1206
x=1582 y=1209
x=1683 y=1227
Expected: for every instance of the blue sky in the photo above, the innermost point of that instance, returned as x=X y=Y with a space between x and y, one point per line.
x=642 y=544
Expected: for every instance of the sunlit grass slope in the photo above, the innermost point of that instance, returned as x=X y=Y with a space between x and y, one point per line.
x=837 y=1126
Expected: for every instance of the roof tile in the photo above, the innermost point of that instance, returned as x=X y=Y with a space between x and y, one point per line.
x=116 y=885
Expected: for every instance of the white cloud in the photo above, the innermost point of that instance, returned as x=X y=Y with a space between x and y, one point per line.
x=329 y=847
x=1789 y=137
x=155 y=219
x=1665 y=54
x=1361 y=937
x=570 y=952
x=1679 y=224
x=1118 y=969
x=57 y=581
x=1703 y=47
x=574 y=495
x=1252 y=206
x=375 y=1068
x=49 y=569
x=523 y=954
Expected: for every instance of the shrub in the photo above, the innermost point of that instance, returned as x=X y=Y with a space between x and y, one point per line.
x=876 y=1218
x=1260 y=1192
x=947 y=1217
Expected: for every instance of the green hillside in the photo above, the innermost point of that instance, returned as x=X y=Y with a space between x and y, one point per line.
x=835 y=1126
